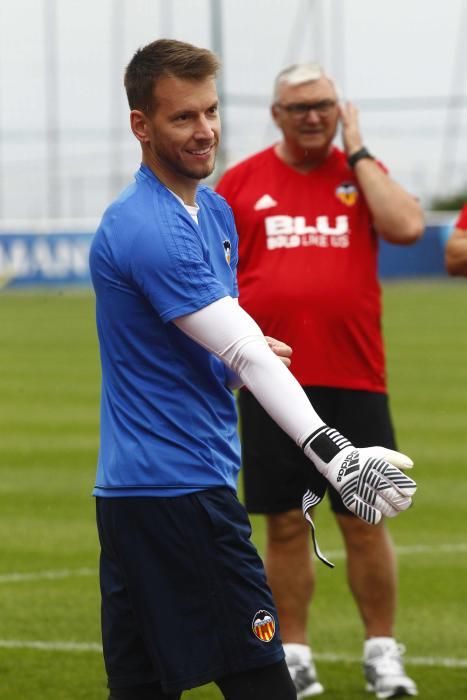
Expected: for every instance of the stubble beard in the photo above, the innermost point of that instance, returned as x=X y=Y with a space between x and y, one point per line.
x=201 y=174
x=178 y=166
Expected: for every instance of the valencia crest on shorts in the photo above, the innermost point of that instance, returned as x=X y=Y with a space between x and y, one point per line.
x=263 y=626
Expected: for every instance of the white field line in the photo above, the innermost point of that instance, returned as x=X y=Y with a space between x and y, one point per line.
x=50 y=646
x=410 y=660
x=50 y=575
x=327 y=657
x=410 y=549
x=19 y=577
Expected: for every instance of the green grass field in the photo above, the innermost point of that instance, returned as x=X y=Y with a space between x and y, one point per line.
x=49 y=597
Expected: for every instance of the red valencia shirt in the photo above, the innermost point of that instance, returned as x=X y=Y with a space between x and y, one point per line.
x=462 y=220
x=307 y=268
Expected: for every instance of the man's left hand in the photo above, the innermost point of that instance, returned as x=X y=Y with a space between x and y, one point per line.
x=283 y=351
x=351 y=135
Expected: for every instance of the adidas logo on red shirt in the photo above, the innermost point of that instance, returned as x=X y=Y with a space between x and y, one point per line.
x=265 y=202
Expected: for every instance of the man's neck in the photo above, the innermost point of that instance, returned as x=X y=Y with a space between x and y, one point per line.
x=184 y=187
x=301 y=160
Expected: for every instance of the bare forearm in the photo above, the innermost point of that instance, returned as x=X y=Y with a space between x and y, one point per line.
x=456 y=253
x=397 y=216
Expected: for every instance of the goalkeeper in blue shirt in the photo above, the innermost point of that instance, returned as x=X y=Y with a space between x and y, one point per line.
x=184 y=595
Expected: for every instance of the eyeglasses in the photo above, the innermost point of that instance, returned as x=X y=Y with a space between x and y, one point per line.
x=299 y=110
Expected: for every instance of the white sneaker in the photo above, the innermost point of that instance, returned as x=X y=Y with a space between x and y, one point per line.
x=302 y=670
x=384 y=669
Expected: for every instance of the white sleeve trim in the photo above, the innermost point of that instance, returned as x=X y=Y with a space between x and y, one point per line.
x=227 y=331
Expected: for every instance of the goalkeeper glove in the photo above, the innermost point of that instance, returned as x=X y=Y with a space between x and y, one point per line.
x=369 y=479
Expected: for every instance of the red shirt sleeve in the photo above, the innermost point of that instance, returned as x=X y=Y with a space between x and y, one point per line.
x=462 y=220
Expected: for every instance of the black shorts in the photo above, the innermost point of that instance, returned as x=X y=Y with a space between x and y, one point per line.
x=276 y=473
x=184 y=593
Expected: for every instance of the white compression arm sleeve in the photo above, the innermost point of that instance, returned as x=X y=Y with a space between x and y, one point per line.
x=233 y=380
x=227 y=331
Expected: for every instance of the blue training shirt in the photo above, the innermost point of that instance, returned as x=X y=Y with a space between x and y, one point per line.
x=168 y=420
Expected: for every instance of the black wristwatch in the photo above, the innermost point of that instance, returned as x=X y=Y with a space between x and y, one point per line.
x=358 y=155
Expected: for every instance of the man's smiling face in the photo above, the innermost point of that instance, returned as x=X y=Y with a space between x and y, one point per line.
x=184 y=129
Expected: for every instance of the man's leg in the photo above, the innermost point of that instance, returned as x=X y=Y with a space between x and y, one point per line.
x=290 y=572
x=364 y=417
x=371 y=573
x=372 y=577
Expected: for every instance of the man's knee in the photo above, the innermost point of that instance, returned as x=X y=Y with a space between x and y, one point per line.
x=286 y=528
x=361 y=535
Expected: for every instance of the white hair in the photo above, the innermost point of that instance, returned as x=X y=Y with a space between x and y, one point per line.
x=301 y=73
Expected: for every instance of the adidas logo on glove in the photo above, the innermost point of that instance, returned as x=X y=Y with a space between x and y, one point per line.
x=349 y=465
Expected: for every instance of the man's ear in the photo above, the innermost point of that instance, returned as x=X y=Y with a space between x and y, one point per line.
x=139 y=125
x=275 y=114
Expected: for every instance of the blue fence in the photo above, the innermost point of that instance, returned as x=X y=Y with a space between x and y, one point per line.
x=423 y=259
x=32 y=259
x=61 y=258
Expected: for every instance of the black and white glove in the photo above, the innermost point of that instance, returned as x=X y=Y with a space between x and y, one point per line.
x=368 y=479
